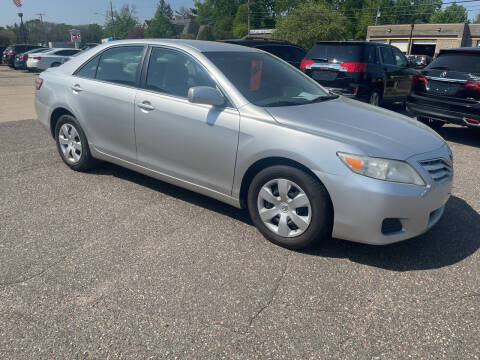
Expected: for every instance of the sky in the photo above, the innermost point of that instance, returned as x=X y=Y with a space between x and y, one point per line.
x=81 y=12
x=77 y=12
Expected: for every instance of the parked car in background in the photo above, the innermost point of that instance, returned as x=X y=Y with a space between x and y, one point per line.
x=293 y=54
x=419 y=61
x=53 y=58
x=21 y=59
x=11 y=51
x=448 y=90
x=367 y=71
x=2 y=49
x=304 y=162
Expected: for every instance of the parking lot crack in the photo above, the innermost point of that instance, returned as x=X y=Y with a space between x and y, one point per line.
x=38 y=274
x=272 y=293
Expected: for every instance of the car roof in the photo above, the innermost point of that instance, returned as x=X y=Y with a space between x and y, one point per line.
x=199 y=45
x=461 y=50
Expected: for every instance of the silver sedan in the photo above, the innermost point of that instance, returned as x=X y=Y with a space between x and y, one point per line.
x=242 y=126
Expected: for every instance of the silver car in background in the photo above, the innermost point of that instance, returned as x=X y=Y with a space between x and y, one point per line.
x=48 y=59
x=242 y=126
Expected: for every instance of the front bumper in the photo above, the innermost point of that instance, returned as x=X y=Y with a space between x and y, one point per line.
x=361 y=204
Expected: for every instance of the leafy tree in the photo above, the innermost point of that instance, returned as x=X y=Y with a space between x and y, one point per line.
x=477 y=19
x=310 y=22
x=452 y=14
x=205 y=33
x=7 y=37
x=161 y=26
x=240 y=27
x=123 y=22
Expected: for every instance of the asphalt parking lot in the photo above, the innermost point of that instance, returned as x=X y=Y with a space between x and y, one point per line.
x=113 y=264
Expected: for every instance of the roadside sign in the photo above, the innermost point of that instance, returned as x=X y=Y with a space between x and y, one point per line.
x=75 y=36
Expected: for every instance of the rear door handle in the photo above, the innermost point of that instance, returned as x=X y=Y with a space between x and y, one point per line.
x=77 y=88
x=146 y=106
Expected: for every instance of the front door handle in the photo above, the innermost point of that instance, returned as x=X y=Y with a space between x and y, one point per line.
x=146 y=106
x=77 y=88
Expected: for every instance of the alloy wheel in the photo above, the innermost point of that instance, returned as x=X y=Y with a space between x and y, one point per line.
x=70 y=143
x=284 y=207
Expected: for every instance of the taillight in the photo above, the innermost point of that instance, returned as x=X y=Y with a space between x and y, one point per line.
x=473 y=85
x=22 y=57
x=353 y=67
x=37 y=58
x=419 y=79
x=11 y=52
x=305 y=64
x=38 y=83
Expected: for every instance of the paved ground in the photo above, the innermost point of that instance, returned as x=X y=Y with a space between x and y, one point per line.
x=112 y=264
x=16 y=94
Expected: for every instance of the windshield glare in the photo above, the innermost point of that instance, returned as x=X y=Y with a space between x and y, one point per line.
x=265 y=81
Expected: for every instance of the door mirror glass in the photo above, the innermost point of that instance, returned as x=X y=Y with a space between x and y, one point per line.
x=205 y=95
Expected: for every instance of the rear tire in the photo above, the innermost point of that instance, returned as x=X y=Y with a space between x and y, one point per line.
x=290 y=207
x=375 y=98
x=72 y=144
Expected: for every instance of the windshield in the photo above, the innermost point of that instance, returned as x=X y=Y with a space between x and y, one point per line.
x=265 y=81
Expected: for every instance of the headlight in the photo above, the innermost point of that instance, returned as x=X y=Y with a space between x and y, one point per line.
x=382 y=169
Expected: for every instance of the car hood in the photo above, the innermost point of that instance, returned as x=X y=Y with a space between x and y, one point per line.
x=373 y=130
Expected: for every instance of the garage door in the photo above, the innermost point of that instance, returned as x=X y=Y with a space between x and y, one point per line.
x=401 y=44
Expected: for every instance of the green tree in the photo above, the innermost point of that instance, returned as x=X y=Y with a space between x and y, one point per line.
x=7 y=37
x=123 y=21
x=452 y=14
x=240 y=27
x=161 y=25
x=310 y=22
x=205 y=33
x=477 y=19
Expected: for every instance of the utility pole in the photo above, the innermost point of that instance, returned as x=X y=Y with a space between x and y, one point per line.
x=113 y=21
x=20 y=14
x=248 y=17
x=378 y=12
x=40 y=15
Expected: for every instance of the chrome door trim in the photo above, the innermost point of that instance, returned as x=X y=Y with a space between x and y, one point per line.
x=435 y=78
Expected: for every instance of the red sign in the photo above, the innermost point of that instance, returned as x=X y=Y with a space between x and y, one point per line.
x=18 y=3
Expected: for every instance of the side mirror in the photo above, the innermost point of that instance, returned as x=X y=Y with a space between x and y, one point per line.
x=205 y=95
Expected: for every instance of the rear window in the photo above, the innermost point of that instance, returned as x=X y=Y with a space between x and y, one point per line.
x=457 y=62
x=284 y=52
x=337 y=52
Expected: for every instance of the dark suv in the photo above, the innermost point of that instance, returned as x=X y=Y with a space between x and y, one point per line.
x=12 y=50
x=368 y=71
x=293 y=54
x=448 y=90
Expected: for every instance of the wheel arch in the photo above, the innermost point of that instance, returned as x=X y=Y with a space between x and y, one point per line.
x=56 y=114
x=264 y=163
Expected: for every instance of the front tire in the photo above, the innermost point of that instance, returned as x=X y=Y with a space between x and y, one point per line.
x=375 y=98
x=72 y=144
x=290 y=207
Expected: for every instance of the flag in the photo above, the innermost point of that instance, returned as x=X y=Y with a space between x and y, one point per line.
x=18 y=3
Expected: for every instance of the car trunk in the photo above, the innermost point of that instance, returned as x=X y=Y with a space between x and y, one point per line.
x=451 y=77
x=335 y=65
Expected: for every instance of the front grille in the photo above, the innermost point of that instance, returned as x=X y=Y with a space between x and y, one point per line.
x=391 y=226
x=438 y=169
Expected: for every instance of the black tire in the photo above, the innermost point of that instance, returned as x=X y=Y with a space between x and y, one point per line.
x=55 y=64
x=86 y=161
x=375 y=97
x=320 y=227
x=434 y=124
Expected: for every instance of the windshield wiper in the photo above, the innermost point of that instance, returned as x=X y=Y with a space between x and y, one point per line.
x=439 y=68
x=323 y=98
x=283 y=103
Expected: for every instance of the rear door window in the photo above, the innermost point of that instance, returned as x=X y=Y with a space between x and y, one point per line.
x=120 y=65
x=89 y=70
x=461 y=62
x=387 y=55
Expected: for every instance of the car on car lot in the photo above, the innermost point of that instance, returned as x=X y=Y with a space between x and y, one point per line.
x=21 y=59
x=12 y=50
x=243 y=127
x=368 y=71
x=2 y=49
x=419 y=61
x=448 y=90
x=293 y=54
x=52 y=58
